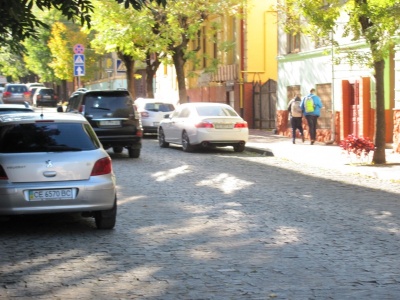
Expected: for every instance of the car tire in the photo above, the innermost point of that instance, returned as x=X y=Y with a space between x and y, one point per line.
x=133 y=153
x=186 y=143
x=106 y=219
x=118 y=150
x=239 y=147
x=161 y=139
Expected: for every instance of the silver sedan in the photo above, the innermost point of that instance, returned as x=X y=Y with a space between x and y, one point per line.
x=203 y=124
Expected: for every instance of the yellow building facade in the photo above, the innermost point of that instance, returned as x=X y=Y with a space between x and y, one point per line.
x=237 y=57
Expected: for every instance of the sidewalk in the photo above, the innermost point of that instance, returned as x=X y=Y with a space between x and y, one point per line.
x=322 y=155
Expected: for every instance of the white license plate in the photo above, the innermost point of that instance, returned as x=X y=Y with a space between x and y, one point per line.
x=46 y=97
x=223 y=126
x=59 y=194
x=110 y=123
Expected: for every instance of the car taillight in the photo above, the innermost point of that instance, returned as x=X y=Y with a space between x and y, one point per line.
x=144 y=114
x=241 y=125
x=27 y=94
x=204 y=125
x=102 y=166
x=6 y=94
x=38 y=97
x=139 y=132
x=3 y=175
x=81 y=109
x=55 y=97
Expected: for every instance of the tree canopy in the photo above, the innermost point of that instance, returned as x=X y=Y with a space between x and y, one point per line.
x=18 y=20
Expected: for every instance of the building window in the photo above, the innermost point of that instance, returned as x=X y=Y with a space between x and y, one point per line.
x=293 y=42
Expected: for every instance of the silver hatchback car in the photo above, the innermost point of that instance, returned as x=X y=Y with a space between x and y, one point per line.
x=54 y=163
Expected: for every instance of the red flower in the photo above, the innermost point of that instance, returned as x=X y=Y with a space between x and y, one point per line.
x=357 y=145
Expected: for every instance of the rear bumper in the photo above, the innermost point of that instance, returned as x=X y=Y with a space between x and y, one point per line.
x=122 y=141
x=92 y=195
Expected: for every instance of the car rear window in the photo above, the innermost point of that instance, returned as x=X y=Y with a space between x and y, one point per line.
x=17 y=88
x=46 y=91
x=215 y=111
x=119 y=105
x=47 y=137
x=156 y=107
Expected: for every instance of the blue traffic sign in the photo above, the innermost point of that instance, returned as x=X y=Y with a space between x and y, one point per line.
x=79 y=70
x=79 y=59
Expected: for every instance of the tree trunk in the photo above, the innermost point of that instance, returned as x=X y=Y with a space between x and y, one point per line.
x=151 y=69
x=130 y=73
x=380 y=126
x=179 y=62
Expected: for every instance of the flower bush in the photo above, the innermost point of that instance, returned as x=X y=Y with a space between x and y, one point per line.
x=359 y=146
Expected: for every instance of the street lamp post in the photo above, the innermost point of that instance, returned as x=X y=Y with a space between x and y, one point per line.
x=109 y=72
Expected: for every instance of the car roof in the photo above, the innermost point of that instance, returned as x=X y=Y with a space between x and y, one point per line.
x=197 y=104
x=17 y=106
x=40 y=117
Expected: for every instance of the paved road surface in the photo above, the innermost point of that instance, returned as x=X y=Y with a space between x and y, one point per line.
x=215 y=225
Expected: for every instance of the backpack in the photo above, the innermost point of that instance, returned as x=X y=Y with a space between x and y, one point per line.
x=309 y=105
x=295 y=109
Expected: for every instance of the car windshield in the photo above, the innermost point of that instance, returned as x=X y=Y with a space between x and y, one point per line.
x=46 y=137
x=215 y=111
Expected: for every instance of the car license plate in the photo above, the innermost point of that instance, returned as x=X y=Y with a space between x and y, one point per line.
x=223 y=126
x=109 y=123
x=46 y=97
x=59 y=194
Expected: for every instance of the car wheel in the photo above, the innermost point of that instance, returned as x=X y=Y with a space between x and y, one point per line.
x=105 y=219
x=186 y=143
x=239 y=147
x=161 y=139
x=118 y=150
x=134 y=153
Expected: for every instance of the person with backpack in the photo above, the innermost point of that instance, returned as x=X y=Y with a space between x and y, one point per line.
x=296 y=117
x=311 y=106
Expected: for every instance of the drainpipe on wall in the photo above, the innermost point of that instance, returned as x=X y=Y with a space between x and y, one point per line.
x=333 y=125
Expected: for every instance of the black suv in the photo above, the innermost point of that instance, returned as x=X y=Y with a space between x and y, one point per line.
x=112 y=116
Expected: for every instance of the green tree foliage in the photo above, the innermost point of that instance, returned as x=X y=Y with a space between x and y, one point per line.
x=64 y=35
x=12 y=65
x=124 y=31
x=375 y=21
x=18 y=21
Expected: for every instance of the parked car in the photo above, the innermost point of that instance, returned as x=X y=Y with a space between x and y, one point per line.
x=203 y=124
x=15 y=108
x=44 y=96
x=54 y=163
x=112 y=116
x=1 y=94
x=16 y=93
x=152 y=112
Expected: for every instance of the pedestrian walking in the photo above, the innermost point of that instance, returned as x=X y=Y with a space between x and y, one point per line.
x=296 y=117
x=311 y=106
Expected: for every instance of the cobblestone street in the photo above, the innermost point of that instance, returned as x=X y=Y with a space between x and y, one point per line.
x=214 y=225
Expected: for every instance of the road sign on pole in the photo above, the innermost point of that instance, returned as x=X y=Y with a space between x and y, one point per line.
x=79 y=49
x=79 y=65
x=79 y=70
x=79 y=59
